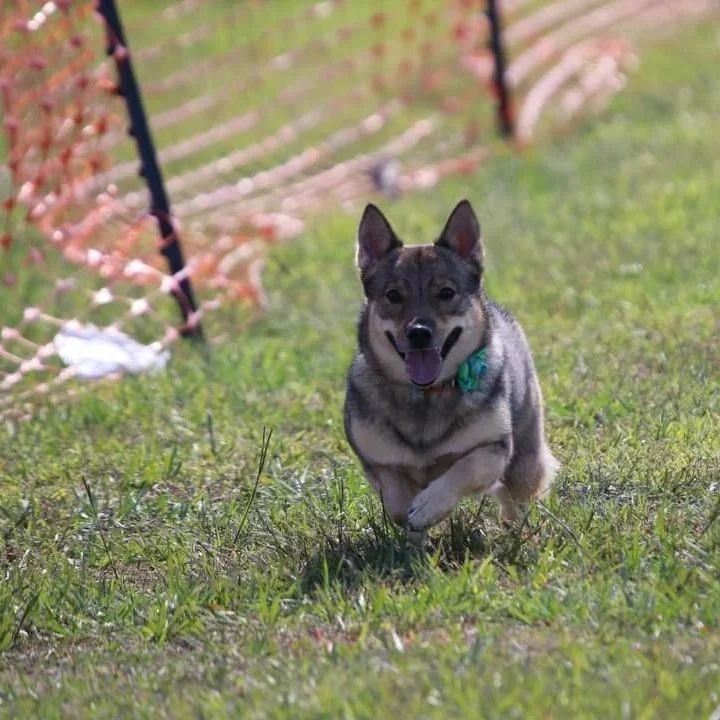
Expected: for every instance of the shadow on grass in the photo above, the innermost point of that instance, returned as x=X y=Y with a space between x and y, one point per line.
x=382 y=551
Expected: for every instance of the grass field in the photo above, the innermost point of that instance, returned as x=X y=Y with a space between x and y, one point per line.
x=154 y=566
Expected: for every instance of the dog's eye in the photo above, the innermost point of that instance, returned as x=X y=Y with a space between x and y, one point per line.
x=393 y=296
x=447 y=293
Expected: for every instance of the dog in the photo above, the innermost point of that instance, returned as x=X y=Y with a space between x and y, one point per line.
x=442 y=398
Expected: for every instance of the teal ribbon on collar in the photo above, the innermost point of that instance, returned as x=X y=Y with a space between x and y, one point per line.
x=471 y=371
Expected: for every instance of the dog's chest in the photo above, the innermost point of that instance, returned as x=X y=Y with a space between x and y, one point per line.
x=426 y=439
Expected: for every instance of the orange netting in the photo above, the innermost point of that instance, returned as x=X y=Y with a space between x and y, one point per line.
x=263 y=114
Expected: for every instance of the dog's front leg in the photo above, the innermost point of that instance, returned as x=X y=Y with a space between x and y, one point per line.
x=396 y=492
x=473 y=473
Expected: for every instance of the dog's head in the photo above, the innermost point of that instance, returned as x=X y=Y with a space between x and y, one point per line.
x=424 y=302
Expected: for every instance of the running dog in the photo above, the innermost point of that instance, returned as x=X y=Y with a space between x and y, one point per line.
x=443 y=400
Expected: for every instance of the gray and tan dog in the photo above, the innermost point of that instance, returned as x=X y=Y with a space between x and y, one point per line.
x=442 y=397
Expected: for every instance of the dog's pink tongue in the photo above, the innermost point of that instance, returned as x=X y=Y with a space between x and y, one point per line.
x=423 y=366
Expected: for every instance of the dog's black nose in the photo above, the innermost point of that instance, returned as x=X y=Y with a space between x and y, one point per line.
x=419 y=336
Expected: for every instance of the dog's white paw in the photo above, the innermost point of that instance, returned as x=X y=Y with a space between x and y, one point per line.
x=416 y=538
x=430 y=507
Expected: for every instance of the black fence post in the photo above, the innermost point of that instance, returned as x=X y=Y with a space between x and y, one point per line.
x=149 y=168
x=505 y=119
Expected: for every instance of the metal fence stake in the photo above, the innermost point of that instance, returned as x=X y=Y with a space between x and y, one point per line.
x=150 y=170
x=505 y=119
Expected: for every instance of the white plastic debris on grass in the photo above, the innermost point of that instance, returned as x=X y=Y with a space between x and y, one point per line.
x=94 y=352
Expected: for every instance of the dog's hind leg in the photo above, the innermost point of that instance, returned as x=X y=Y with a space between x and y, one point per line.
x=528 y=477
x=510 y=509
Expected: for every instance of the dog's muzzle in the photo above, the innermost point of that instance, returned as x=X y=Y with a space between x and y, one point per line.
x=423 y=360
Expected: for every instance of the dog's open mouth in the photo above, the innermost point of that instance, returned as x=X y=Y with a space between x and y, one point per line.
x=423 y=366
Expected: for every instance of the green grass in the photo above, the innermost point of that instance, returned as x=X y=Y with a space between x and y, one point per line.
x=146 y=573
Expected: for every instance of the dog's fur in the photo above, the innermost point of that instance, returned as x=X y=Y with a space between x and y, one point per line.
x=425 y=448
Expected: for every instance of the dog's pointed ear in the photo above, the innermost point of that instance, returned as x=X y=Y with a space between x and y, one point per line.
x=376 y=238
x=462 y=234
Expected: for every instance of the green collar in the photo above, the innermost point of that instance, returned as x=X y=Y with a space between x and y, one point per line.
x=471 y=371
